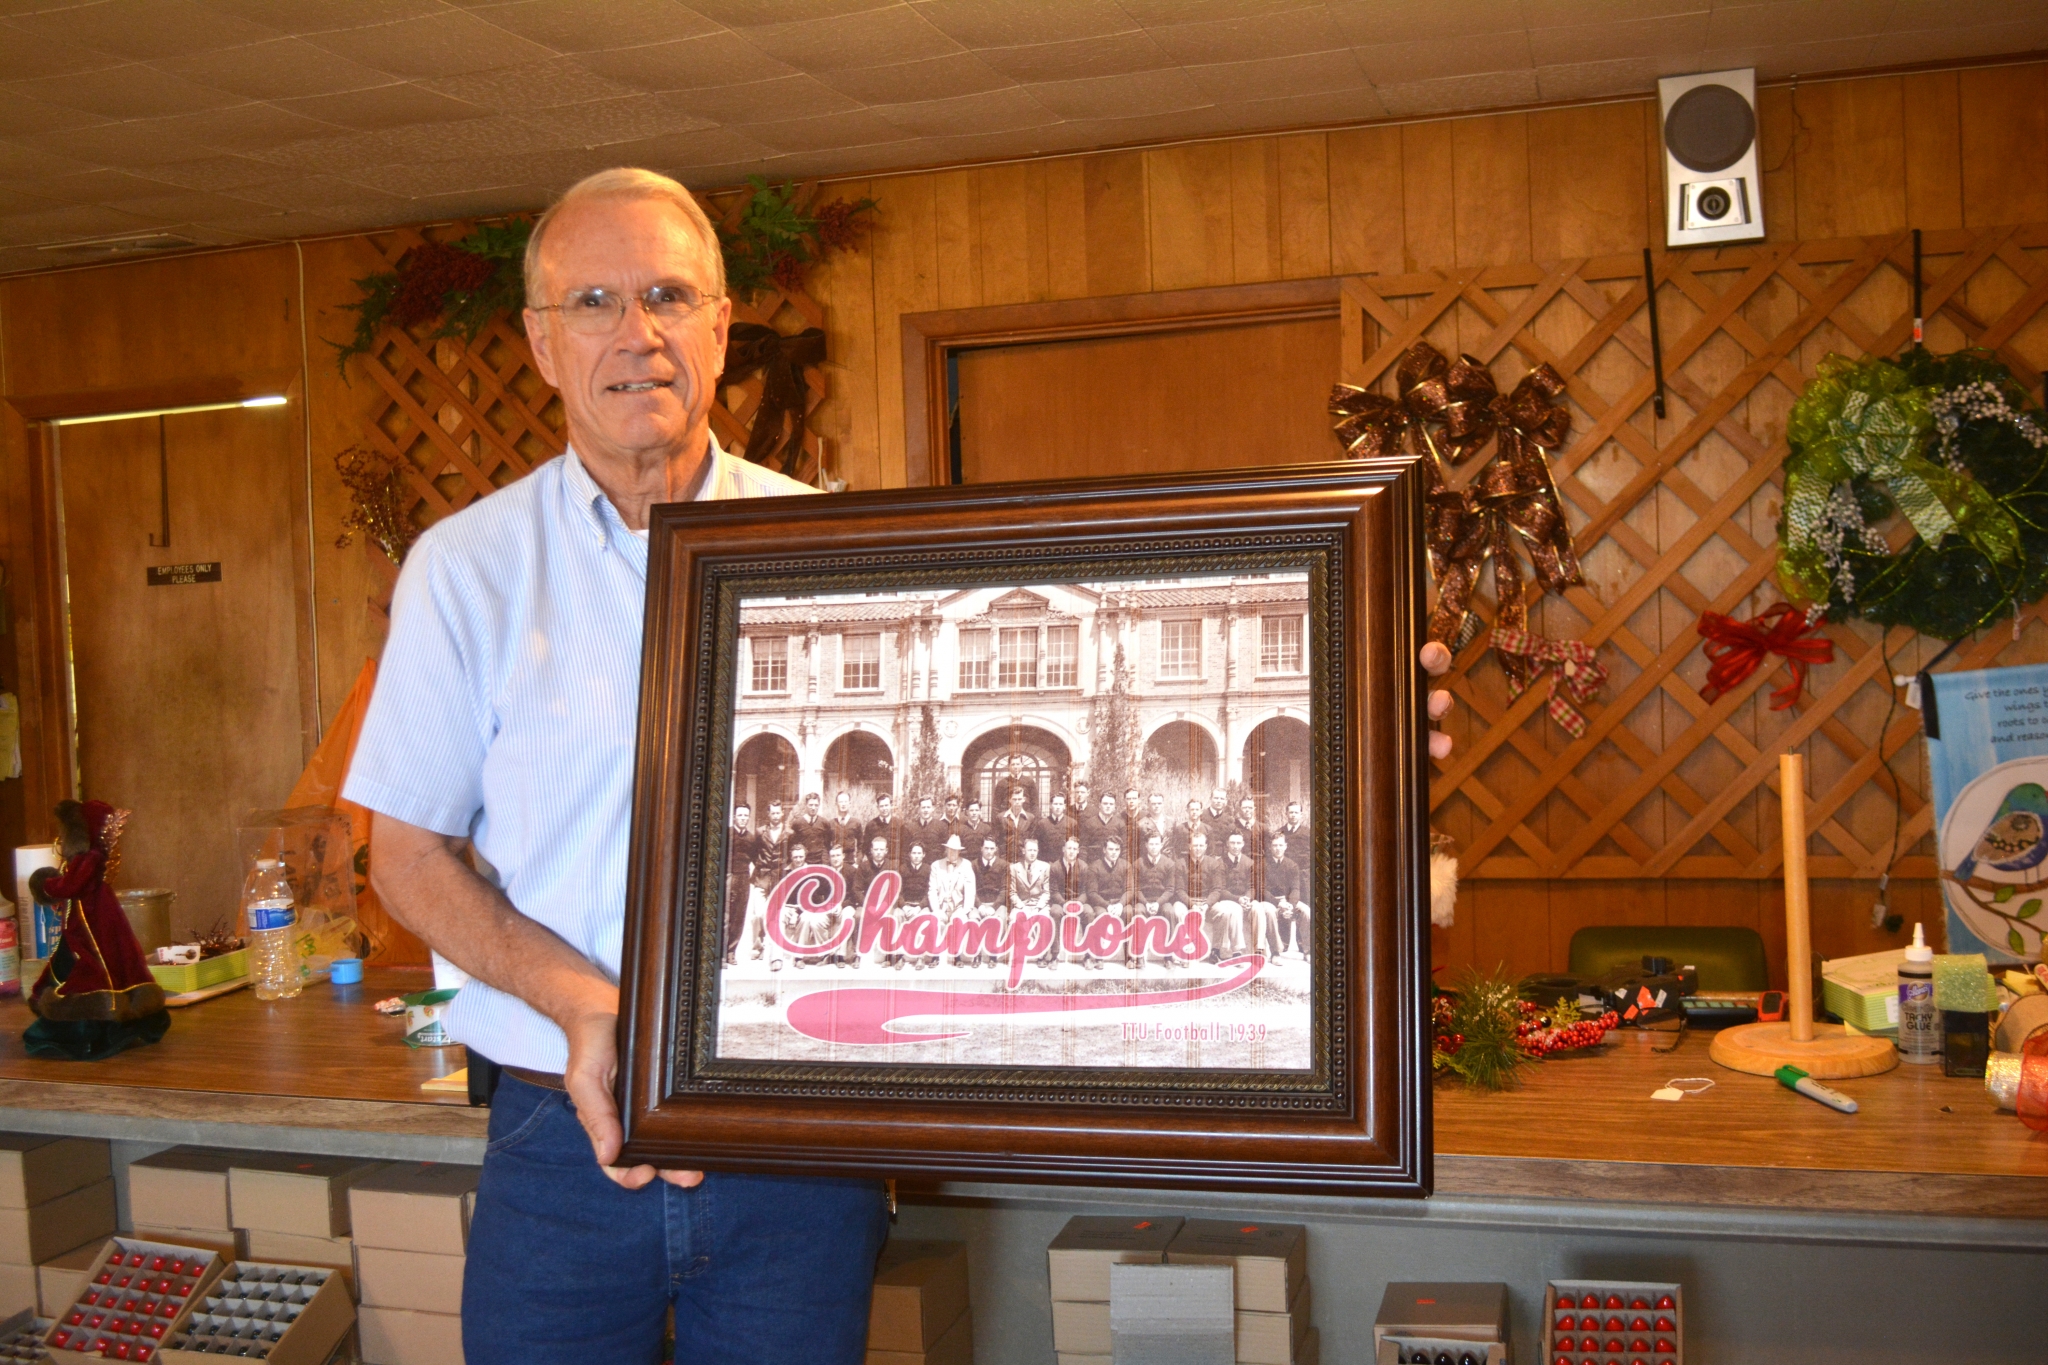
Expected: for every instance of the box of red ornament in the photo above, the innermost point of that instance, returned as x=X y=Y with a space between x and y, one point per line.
x=1614 y=1322
x=285 y=1314
x=136 y=1294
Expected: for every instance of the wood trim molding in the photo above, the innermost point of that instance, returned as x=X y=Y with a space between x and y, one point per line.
x=929 y=338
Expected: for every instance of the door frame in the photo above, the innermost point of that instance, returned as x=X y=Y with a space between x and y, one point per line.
x=48 y=715
x=932 y=339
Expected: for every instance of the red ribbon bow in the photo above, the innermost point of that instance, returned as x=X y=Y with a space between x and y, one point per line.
x=1579 y=672
x=1737 y=647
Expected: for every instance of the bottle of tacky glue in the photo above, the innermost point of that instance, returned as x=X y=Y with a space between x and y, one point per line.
x=1919 y=1022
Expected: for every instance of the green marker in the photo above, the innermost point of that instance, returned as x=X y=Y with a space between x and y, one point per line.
x=1792 y=1078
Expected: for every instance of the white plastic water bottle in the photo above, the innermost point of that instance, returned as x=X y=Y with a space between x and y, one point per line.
x=268 y=907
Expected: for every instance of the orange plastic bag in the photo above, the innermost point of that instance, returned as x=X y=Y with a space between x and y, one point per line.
x=391 y=943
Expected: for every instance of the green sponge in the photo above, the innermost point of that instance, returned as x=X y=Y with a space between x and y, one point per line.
x=1962 y=981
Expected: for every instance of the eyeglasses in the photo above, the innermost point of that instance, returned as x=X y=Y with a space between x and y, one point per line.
x=597 y=310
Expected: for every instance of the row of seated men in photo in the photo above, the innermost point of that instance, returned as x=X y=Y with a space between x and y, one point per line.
x=1251 y=884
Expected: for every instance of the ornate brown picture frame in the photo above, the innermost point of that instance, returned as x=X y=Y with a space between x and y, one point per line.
x=843 y=985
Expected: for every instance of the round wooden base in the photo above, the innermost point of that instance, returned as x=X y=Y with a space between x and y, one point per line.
x=1760 y=1049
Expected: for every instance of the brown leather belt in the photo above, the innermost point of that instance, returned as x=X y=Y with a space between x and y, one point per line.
x=546 y=1080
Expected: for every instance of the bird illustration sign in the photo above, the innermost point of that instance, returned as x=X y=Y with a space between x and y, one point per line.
x=1990 y=774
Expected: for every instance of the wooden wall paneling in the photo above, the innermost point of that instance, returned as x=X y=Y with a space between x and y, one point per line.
x=850 y=417
x=1429 y=228
x=1367 y=215
x=1490 y=174
x=1588 y=192
x=957 y=236
x=1853 y=151
x=1304 y=184
x=1778 y=146
x=904 y=240
x=1066 y=219
x=1934 y=152
x=2004 y=126
x=1254 y=210
x=1114 y=217
x=1013 y=233
x=1188 y=213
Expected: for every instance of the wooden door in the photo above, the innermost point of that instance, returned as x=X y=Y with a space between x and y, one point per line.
x=1219 y=397
x=188 y=694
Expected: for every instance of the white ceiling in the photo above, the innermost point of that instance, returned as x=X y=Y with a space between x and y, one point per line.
x=236 y=120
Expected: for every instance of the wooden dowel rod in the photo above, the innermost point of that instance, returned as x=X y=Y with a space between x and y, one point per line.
x=1798 y=913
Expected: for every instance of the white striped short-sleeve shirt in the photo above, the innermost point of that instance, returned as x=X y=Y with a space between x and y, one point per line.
x=505 y=709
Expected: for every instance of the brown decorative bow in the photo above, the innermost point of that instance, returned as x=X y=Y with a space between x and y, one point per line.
x=1449 y=410
x=776 y=438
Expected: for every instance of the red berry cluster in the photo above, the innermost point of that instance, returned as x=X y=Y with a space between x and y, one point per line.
x=1443 y=1038
x=429 y=273
x=1538 y=1038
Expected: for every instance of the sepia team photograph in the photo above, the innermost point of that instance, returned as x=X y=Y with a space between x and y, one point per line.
x=1044 y=825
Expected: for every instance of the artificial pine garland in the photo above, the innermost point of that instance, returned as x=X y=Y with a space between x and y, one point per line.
x=1950 y=443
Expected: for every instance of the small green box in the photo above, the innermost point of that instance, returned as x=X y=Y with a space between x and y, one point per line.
x=178 y=978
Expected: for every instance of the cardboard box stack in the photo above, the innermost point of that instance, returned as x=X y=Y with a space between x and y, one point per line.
x=1270 y=1261
x=1171 y=1315
x=411 y=1228
x=180 y=1196
x=919 y=1314
x=293 y=1209
x=1078 y=1266
x=56 y=1196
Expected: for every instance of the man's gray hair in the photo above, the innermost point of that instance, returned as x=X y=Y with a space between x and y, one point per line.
x=624 y=182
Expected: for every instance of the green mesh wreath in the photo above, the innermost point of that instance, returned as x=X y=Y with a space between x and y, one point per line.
x=1949 y=443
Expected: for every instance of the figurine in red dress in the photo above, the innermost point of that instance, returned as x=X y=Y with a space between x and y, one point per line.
x=95 y=996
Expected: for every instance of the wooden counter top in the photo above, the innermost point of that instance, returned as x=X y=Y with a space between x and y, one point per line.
x=1588 y=1129
x=1576 y=1130
x=323 y=1060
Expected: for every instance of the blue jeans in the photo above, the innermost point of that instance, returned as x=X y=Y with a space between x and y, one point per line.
x=564 y=1265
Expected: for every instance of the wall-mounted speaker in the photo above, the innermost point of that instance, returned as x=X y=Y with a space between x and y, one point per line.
x=1712 y=189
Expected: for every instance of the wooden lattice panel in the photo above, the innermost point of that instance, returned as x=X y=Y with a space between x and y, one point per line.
x=1676 y=516
x=461 y=421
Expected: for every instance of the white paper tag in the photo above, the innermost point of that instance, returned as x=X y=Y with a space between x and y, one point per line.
x=1667 y=1093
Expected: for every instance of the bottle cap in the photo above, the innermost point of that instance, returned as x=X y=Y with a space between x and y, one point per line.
x=1919 y=951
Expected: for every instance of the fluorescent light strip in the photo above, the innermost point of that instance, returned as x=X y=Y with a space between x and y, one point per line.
x=268 y=400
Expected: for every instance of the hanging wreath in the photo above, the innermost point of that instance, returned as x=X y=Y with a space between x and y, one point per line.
x=467 y=283
x=1948 y=443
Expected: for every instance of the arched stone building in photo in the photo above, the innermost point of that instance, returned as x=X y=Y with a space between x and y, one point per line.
x=833 y=691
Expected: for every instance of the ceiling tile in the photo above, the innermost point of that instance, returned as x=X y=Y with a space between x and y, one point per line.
x=1116 y=55
x=934 y=78
x=691 y=64
x=1627 y=38
x=279 y=225
x=215 y=173
x=313 y=192
x=977 y=23
x=282 y=68
x=24 y=56
x=857 y=129
x=102 y=186
x=994 y=112
x=1226 y=40
x=671 y=152
x=426 y=179
x=1161 y=13
x=1305 y=110
x=69 y=223
x=448 y=43
x=144 y=30
x=133 y=146
x=1980 y=40
x=14 y=202
x=20 y=116
x=1620 y=76
x=885 y=36
x=1437 y=58
x=319 y=16
x=20 y=161
x=1796 y=59
x=184 y=208
x=1563 y=13
x=491 y=203
x=1371 y=23
x=754 y=13
x=620 y=120
x=1209 y=121
x=1915 y=15
x=786 y=97
x=129 y=91
x=385 y=106
x=246 y=128
x=1319 y=73
x=1816 y=20
x=1489 y=90
x=588 y=25
x=1141 y=93
x=524 y=89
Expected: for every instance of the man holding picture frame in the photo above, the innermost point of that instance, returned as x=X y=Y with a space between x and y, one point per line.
x=475 y=738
